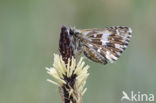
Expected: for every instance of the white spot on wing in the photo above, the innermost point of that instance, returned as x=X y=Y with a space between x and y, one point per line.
x=90 y=45
x=99 y=49
x=125 y=46
x=130 y=30
x=130 y=35
x=114 y=57
x=108 y=56
x=117 y=31
x=89 y=39
x=105 y=35
x=95 y=35
x=104 y=42
x=111 y=56
x=117 y=46
x=119 y=53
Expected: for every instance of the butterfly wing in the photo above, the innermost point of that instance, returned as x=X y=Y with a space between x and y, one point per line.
x=103 y=45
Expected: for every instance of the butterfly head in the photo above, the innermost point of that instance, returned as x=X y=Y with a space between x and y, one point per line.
x=73 y=31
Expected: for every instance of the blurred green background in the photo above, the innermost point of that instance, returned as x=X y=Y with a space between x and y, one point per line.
x=29 y=34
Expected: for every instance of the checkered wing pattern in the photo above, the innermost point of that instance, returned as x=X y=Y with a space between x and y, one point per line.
x=105 y=45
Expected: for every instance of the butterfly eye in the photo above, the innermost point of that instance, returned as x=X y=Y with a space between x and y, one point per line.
x=71 y=32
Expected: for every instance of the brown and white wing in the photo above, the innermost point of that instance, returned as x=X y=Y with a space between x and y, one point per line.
x=103 y=45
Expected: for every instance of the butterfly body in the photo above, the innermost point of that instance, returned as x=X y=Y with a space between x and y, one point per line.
x=101 y=45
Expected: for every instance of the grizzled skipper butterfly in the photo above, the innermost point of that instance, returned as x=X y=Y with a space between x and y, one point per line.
x=101 y=45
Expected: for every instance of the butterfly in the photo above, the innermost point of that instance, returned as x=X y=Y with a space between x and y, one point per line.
x=100 y=45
